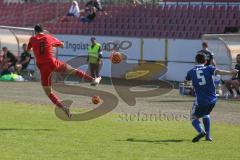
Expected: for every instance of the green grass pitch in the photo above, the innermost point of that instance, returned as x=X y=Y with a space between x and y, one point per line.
x=34 y=133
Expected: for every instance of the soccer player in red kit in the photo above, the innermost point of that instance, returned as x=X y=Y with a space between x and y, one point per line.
x=42 y=45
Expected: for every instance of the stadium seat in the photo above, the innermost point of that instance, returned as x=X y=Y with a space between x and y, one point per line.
x=176 y=20
x=179 y=35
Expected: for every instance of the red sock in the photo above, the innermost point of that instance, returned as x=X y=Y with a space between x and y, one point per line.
x=83 y=75
x=55 y=100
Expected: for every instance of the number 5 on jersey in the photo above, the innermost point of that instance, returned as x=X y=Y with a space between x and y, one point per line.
x=201 y=77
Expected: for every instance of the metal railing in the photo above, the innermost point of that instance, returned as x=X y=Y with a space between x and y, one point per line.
x=128 y=2
x=104 y=2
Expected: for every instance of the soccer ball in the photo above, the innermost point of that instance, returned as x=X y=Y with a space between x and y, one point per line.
x=96 y=99
x=116 y=57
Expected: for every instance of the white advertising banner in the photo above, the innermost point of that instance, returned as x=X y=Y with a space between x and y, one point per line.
x=180 y=50
x=180 y=53
x=153 y=49
x=76 y=45
x=178 y=71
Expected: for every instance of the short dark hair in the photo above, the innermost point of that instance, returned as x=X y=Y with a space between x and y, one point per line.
x=204 y=44
x=93 y=38
x=38 y=28
x=200 y=58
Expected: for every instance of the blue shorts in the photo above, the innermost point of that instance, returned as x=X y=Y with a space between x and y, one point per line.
x=201 y=111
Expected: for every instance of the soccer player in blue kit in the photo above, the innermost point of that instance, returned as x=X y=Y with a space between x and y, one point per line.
x=202 y=80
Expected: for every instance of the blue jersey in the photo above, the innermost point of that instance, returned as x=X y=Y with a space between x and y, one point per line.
x=203 y=83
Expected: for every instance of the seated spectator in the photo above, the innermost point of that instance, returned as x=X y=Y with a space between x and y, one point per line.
x=94 y=3
x=136 y=2
x=234 y=83
x=90 y=15
x=74 y=10
x=9 y=61
x=4 y=69
x=24 y=59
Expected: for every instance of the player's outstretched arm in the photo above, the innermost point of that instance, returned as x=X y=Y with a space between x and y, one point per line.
x=224 y=72
x=56 y=42
x=60 y=45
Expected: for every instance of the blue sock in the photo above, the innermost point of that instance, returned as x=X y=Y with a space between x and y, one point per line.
x=206 y=122
x=197 y=125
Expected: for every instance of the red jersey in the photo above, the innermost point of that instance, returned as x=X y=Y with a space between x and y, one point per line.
x=42 y=45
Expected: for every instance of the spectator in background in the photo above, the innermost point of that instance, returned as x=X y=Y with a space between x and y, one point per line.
x=9 y=58
x=74 y=10
x=136 y=2
x=3 y=65
x=208 y=54
x=4 y=68
x=94 y=3
x=234 y=83
x=90 y=15
x=24 y=59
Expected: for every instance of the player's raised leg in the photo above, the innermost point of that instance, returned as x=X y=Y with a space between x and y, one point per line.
x=72 y=71
x=55 y=100
x=46 y=74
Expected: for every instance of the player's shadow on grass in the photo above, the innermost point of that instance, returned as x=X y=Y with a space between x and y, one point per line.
x=166 y=141
x=22 y=129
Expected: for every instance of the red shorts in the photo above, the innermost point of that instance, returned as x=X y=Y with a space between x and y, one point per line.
x=46 y=70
